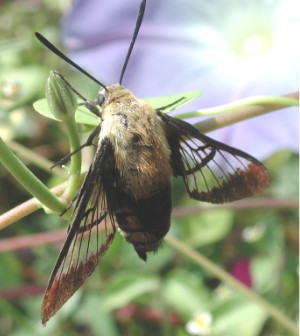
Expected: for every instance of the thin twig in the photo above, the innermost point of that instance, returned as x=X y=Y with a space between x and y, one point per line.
x=26 y=208
x=29 y=241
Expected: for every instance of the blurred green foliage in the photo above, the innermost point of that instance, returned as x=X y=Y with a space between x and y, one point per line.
x=125 y=296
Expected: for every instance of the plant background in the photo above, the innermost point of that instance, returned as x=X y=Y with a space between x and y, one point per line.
x=125 y=296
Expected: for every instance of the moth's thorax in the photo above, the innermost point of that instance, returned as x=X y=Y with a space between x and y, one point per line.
x=139 y=141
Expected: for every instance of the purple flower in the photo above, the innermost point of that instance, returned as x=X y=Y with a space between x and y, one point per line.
x=241 y=271
x=228 y=50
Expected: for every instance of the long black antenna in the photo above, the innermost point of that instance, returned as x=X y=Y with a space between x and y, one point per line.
x=135 y=34
x=50 y=46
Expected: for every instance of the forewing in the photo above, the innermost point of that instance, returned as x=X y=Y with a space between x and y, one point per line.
x=212 y=171
x=91 y=231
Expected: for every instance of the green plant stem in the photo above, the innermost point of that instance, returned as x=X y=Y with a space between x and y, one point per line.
x=217 y=271
x=245 y=112
x=240 y=110
x=36 y=159
x=266 y=101
x=75 y=167
x=28 y=180
x=269 y=102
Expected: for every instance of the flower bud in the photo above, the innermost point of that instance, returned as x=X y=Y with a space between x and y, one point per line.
x=61 y=99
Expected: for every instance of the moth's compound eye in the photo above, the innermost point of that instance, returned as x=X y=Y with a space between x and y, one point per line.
x=101 y=97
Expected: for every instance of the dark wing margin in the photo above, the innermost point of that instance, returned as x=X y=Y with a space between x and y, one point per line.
x=212 y=171
x=91 y=231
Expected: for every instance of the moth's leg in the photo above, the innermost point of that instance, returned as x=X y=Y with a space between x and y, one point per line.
x=90 y=105
x=174 y=104
x=89 y=142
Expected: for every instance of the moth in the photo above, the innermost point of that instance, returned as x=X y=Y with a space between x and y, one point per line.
x=128 y=185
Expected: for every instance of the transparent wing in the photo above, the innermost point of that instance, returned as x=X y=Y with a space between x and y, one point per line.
x=212 y=171
x=91 y=231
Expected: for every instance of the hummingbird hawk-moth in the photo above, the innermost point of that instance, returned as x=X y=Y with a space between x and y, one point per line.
x=128 y=185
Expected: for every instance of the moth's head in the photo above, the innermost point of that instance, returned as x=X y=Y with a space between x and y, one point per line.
x=113 y=94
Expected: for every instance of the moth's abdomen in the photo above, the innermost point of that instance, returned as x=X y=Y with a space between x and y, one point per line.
x=145 y=221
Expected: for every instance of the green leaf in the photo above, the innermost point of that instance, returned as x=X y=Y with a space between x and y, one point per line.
x=86 y=117
x=82 y=114
x=208 y=227
x=173 y=102
x=94 y=313
x=185 y=292
x=238 y=317
x=126 y=287
x=41 y=106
